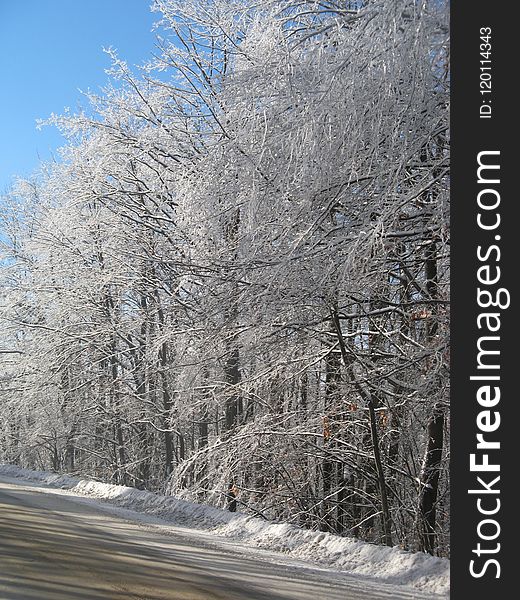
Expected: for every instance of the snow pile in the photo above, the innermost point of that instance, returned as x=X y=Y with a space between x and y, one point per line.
x=421 y=571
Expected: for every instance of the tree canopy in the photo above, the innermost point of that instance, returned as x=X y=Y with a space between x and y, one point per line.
x=233 y=285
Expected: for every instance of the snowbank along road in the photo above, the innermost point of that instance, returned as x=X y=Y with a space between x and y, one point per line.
x=56 y=547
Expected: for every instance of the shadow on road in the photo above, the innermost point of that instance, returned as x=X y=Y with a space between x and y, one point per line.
x=60 y=550
x=55 y=548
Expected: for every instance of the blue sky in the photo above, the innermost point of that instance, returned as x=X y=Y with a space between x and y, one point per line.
x=49 y=49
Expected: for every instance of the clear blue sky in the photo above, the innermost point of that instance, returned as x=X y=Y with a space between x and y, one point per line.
x=49 y=49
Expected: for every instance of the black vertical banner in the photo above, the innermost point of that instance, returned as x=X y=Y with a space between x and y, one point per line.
x=484 y=325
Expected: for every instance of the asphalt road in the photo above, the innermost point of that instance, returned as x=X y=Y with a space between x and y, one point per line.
x=53 y=547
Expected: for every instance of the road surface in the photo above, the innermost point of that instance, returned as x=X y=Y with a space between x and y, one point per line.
x=55 y=547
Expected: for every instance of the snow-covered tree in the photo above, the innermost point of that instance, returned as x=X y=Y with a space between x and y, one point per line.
x=234 y=283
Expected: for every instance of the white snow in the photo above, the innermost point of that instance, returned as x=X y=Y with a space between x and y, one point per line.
x=346 y=555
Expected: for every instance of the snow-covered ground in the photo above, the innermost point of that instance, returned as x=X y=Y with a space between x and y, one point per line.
x=421 y=571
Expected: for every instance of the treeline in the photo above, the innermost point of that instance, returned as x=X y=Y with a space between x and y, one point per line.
x=233 y=284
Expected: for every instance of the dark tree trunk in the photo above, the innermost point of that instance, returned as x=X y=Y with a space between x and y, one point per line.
x=167 y=403
x=231 y=498
x=234 y=404
x=385 y=510
x=429 y=478
x=330 y=462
